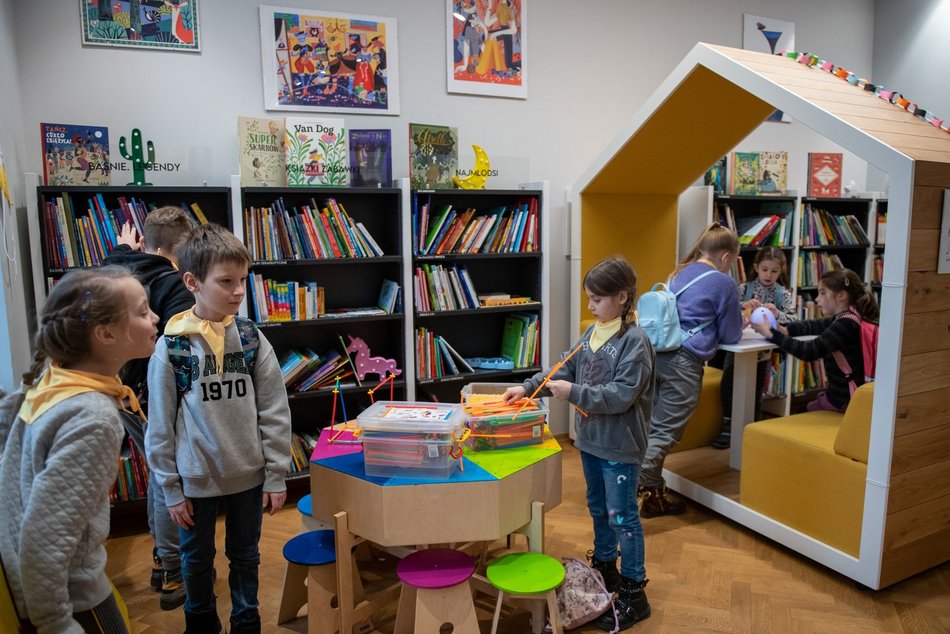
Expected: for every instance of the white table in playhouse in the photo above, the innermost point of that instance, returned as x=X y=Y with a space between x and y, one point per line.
x=497 y=493
x=746 y=352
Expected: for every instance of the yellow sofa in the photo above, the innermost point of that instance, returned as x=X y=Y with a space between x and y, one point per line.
x=808 y=471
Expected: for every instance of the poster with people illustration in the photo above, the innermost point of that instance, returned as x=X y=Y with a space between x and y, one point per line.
x=319 y=61
x=486 y=42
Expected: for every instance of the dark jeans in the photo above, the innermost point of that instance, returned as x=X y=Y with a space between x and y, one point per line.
x=725 y=388
x=242 y=524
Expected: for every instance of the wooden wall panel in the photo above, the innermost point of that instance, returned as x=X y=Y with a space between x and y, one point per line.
x=924 y=246
x=927 y=208
x=926 y=292
x=922 y=411
x=924 y=372
x=917 y=487
x=916 y=557
x=931 y=174
x=926 y=332
x=922 y=449
x=917 y=522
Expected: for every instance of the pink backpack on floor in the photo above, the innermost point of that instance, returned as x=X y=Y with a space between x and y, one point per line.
x=582 y=596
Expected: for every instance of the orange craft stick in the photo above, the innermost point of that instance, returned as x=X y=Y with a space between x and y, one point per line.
x=557 y=366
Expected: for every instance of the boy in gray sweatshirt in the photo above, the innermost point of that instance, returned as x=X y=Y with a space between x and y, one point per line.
x=219 y=428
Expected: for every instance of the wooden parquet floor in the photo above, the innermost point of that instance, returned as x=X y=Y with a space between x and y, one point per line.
x=707 y=574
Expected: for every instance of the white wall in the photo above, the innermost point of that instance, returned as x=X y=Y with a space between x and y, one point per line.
x=591 y=66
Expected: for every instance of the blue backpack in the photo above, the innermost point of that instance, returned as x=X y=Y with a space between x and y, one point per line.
x=658 y=318
x=186 y=366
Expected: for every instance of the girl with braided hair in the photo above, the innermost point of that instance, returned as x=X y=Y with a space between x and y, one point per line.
x=61 y=442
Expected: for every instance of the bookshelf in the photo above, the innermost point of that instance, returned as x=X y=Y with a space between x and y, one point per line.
x=475 y=330
x=876 y=266
x=746 y=214
x=349 y=286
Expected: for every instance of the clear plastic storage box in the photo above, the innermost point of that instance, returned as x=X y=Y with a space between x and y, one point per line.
x=411 y=439
x=502 y=430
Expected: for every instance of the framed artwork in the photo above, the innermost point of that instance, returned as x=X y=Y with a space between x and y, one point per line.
x=768 y=35
x=319 y=61
x=486 y=45
x=161 y=24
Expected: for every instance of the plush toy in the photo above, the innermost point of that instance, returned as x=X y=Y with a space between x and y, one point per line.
x=763 y=315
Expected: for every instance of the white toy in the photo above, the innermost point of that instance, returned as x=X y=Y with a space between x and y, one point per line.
x=762 y=315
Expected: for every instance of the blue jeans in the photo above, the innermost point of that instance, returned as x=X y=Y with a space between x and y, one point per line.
x=679 y=378
x=612 y=501
x=242 y=524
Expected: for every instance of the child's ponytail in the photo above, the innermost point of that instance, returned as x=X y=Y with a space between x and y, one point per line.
x=859 y=295
x=715 y=239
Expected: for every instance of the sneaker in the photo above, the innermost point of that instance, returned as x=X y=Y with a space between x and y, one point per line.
x=156 y=580
x=630 y=606
x=607 y=569
x=657 y=501
x=724 y=439
x=173 y=589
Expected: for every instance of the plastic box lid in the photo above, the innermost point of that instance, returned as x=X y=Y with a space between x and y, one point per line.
x=412 y=416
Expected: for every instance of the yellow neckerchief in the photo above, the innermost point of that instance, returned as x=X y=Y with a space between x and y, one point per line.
x=59 y=383
x=188 y=323
x=603 y=332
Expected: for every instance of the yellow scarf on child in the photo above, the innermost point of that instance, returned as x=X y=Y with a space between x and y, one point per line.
x=603 y=332
x=59 y=383
x=188 y=323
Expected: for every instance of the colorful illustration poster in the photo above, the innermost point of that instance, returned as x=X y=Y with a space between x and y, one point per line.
x=329 y=62
x=773 y=172
x=316 y=153
x=433 y=156
x=261 y=152
x=156 y=24
x=744 y=177
x=486 y=45
x=371 y=160
x=75 y=154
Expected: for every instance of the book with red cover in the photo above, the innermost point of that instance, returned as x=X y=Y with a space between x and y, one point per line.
x=824 y=174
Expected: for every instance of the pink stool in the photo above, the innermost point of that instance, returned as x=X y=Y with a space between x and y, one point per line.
x=435 y=592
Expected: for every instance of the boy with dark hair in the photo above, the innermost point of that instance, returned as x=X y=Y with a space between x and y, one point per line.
x=152 y=260
x=219 y=431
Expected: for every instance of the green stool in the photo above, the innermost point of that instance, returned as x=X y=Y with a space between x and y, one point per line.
x=528 y=576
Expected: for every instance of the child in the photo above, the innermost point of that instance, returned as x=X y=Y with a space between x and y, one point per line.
x=839 y=291
x=152 y=259
x=610 y=381
x=61 y=450
x=219 y=428
x=711 y=304
x=768 y=288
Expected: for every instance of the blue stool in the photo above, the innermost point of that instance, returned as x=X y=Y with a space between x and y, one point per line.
x=311 y=579
x=305 y=506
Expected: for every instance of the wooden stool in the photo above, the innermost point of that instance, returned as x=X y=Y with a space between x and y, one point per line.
x=305 y=506
x=435 y=591
x=528 y=576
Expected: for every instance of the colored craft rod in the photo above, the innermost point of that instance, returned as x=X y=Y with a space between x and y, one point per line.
x=557 y=366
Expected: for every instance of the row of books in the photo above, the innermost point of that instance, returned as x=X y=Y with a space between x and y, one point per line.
x=285 y=301
x=520 y=340
x=813 y=264
x=806 y=308
x=305 y=370
x=500 y=230
x=881 y=235
x=444 y=288
x=821 y=228
x=301 y=448
x=131 y=483
x=808 y=375
x=306 y=233
x=435 y=357
x=877 y=269
x=772 y=229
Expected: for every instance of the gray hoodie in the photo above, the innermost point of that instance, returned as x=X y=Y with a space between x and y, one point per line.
x=229 y=433
x=55 y=476
x=614 y=386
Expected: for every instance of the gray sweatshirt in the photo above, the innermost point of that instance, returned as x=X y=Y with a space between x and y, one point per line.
x=229 y=433
x=614 y=386
x=55 y=476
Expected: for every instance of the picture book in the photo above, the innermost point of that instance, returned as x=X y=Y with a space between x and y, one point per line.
x=371 y=158
x=75 y=154
x=716 y=176
x=824 y=174
x=744 y=177
x=261 y=152
x=387 y=296
x=773 y=172
x=316 y=152
x=433 y=156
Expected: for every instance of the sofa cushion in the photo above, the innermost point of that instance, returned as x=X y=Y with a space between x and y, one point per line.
x=854 y=435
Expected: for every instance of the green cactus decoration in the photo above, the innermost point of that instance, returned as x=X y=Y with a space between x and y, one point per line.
x=138 y=164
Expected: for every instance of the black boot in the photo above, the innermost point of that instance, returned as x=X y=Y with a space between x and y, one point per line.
x=607 y=569
x=202 y=623
x=251 y=627
x=631 y=606
x=724 y=439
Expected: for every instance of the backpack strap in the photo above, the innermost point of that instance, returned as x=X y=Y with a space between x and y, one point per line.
x=839 y=357
x=749 y=292
x=694 y=280
x=179 y=355
x=699 y=327
x=250 y=341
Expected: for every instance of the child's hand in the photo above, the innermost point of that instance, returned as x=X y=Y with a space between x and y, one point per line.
x=512 y=394
x=763 y=329
x=276 y=501
x=560 y=389
x=129 y=237
x=751 y=304
x=772 y=308
x=182 y=514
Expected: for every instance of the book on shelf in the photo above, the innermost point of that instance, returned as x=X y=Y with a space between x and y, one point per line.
x=773 y=171
x=315 y=150
x=433 y=156
x=716 y=176
x=822 y=228
x=448 y=287
x=262 y=158
x=388 y=293
x=371 y=159
x=275 y=301
x=75 y=154
x=519 y=339
x=500 y=230
x=880 y=237
x=824 y=174
x=744 y=173
x=436 y=356
x=749 y=227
